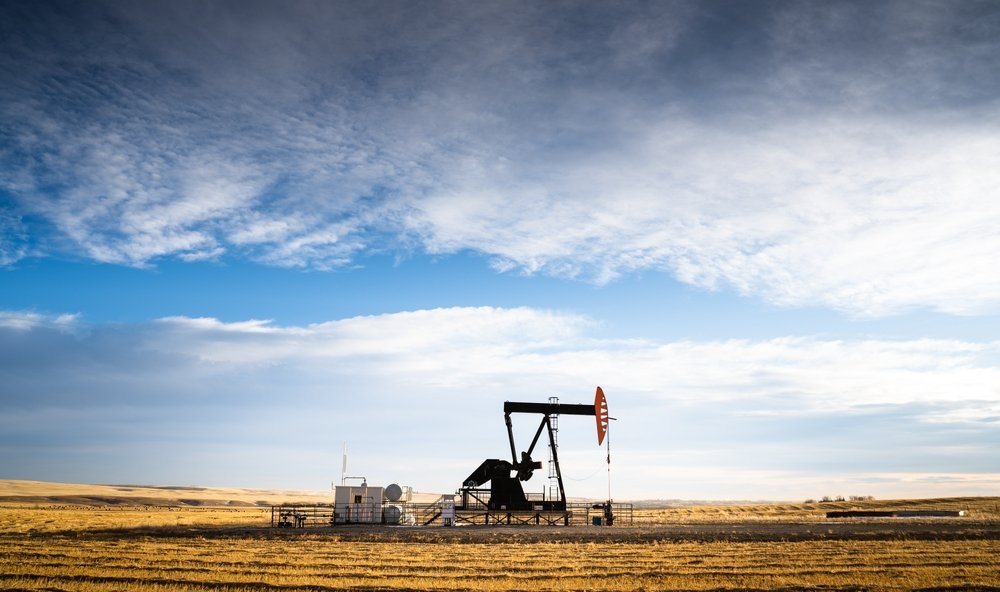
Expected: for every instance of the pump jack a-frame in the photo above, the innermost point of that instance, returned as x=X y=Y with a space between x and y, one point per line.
x=506 y=492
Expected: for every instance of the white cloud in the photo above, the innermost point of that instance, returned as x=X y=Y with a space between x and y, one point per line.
x=863 y=217
x=207 y=324
x=472 y=348
x=841 y=157
x=257 y=228
x=432 y=378
x=25 y=321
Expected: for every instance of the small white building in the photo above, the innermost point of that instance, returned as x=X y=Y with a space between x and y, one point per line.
x=358 y=504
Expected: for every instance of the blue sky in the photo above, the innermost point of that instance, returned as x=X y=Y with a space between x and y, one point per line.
x=235 y=235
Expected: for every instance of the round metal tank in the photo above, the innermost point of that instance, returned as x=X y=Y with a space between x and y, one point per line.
x=393 y=492
x=392 y=514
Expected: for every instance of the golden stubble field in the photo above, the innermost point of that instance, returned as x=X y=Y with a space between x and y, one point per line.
x=764 y=547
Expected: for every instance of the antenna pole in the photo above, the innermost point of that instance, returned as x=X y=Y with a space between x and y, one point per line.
x=343 y=467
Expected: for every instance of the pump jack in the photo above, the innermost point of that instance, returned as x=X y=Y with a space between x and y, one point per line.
x=505 y=491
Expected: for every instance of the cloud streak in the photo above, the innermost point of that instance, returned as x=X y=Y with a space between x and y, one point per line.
x=838 y=156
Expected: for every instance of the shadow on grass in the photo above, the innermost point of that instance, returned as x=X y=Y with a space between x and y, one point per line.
x=837 y=530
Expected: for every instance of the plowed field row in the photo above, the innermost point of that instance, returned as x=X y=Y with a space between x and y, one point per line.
x=314 y=564
x=189 y=550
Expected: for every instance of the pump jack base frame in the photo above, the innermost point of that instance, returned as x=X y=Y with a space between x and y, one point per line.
x=501 y=517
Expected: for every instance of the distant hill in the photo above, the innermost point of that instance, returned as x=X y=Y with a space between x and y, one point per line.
x=15 y=492
x=21 y=493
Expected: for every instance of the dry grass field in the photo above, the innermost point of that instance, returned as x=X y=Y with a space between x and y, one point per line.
x=116 y=547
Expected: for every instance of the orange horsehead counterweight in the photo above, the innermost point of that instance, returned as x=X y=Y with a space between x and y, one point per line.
x=601 y=413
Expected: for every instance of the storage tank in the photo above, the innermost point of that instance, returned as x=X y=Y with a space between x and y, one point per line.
x=392 y=514
x=393 y=492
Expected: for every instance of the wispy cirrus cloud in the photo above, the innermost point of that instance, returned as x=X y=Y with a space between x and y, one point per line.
x=27 y=321
x=13 y=238
x=802 y=407
x=834 y=155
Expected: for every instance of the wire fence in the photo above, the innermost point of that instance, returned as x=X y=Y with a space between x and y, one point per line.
x=444 y=513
